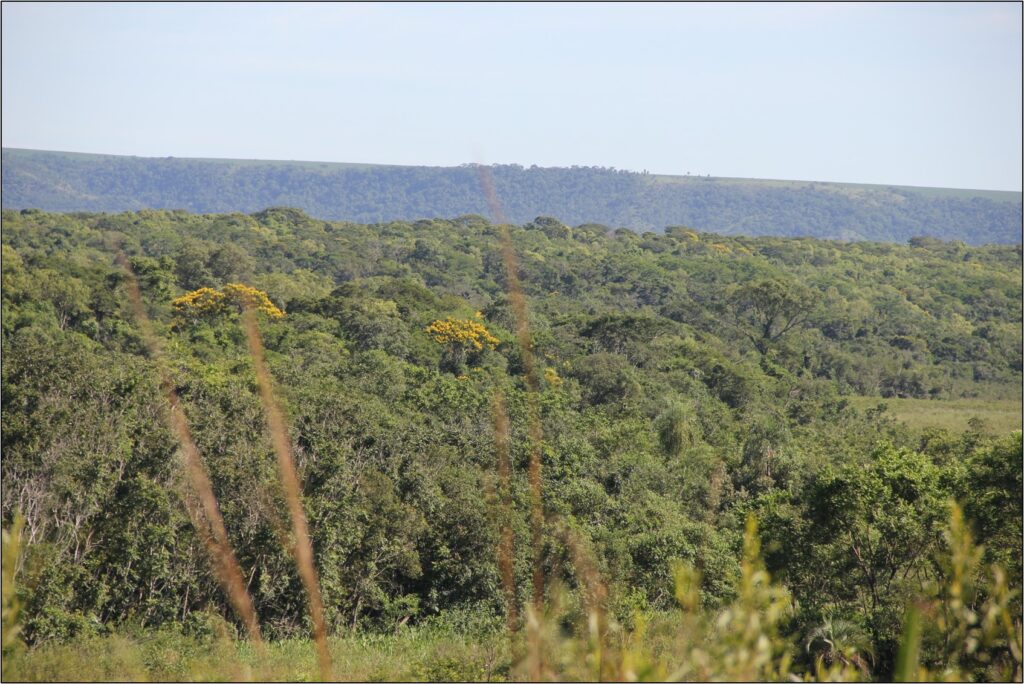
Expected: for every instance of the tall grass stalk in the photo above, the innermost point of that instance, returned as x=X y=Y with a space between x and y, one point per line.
x=520 y=313
x=206 y=517
x=907 y=668
x=10 y=557
x=303 y=547
x=506 y=547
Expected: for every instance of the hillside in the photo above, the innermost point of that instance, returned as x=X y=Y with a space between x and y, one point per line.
x=57 y=181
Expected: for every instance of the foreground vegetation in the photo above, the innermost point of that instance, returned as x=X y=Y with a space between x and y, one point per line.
x=683 y=385
x=979 y=637
x=429 y=653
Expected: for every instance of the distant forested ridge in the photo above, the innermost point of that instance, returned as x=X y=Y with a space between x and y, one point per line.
x=58 y=181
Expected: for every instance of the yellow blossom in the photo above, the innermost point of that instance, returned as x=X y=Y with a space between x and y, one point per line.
x=462 y=334
x=202 y=302
x=551 y=375
x=244 y=296
x=206 y=302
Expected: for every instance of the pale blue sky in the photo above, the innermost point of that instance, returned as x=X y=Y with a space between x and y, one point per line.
x=911 y=94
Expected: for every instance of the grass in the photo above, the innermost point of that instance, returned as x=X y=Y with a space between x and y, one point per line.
x=412 y=654
x=997 y=417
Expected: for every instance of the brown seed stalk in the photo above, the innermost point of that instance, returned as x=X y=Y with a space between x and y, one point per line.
x=505 y=546
x=520 y=313
x=303 y=547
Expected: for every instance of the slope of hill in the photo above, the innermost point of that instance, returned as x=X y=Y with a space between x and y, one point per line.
x=60 y=181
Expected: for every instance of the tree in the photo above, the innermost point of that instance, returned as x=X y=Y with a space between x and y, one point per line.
x=676 y=431
x=207 y=302
x=872 y=528
x=463 y=340
x=843 y=642
x=606 y=378
x=767 y=309
x=993 y=501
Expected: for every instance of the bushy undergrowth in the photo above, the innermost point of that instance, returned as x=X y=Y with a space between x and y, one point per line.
x=969 y=616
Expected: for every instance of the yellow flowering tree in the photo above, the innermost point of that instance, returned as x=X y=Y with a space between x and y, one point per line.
x=207 y=303
x=242 y=296
x=463 y=340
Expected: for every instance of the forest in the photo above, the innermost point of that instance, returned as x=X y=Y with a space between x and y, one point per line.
x=366 y=193
x=601 y=453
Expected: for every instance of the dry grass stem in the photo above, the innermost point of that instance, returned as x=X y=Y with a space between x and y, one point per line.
x=519 y=311
x=303 y=547
x=506 y=547
x=206 y=515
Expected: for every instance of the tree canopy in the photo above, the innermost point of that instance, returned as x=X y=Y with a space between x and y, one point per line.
x=687 y=381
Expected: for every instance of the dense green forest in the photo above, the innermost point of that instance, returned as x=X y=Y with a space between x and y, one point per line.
x=689 y=385
x=57 y=181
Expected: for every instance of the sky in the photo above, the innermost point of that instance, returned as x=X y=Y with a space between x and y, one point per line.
x=897 y=94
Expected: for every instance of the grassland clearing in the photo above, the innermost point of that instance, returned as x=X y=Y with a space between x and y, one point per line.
x=997 y=416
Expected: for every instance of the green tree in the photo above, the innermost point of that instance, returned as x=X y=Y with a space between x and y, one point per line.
x=767 y=309
x=872 y=528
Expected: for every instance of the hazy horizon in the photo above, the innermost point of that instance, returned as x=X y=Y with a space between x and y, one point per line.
x=924 y=95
